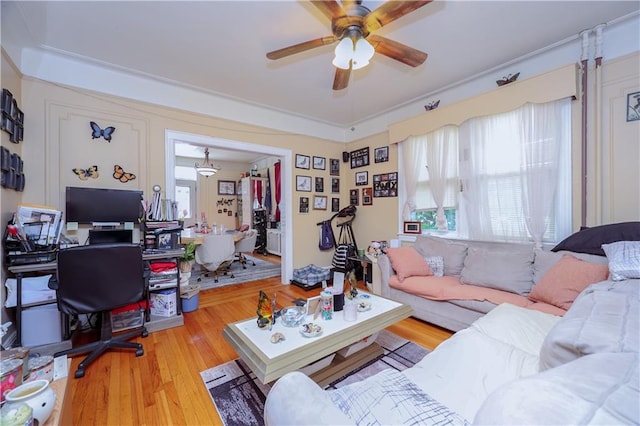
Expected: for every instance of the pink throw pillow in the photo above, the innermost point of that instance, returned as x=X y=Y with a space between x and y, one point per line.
x=566 y=279
x=407 y=262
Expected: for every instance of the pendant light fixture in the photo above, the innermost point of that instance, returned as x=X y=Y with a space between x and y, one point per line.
x=206 y=169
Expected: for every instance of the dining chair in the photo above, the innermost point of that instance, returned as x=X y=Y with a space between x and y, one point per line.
x=216 y=254
x=246 y=245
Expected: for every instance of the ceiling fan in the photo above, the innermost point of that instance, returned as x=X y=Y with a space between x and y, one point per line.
x=353 y=24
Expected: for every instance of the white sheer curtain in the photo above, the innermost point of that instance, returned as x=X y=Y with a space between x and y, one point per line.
x=441 y=165
x=543 y=133
x=412 y=160
x=509 y=170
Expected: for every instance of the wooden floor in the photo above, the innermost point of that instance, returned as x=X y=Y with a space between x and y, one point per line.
x=164 y=386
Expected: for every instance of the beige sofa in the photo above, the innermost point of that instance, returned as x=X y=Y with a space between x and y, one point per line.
x=477 y=276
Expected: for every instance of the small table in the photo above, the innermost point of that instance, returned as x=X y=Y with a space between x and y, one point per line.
x=269 y=361
x=372 y=276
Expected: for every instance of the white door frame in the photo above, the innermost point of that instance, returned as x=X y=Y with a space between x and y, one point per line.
x=286 y=218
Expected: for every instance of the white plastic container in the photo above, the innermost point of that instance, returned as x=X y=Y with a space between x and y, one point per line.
x=41 y=325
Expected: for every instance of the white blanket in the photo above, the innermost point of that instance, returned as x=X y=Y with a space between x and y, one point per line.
x=497 y=348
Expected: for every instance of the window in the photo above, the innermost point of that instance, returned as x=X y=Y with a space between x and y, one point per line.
x=428 y=219
x=514 y=174
x=185 y=195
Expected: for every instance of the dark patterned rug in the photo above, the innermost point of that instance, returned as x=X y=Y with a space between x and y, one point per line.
x=239 y=396
x=261 y=270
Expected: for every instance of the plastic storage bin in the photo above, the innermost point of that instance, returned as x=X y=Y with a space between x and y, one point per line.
x=190 y=295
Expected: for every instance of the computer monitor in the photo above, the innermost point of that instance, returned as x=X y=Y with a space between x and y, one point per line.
x=108 y=236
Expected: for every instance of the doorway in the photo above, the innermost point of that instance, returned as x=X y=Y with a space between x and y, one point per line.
x=285 y=155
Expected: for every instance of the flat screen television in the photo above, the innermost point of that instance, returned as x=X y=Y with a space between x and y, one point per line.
x=89 y=205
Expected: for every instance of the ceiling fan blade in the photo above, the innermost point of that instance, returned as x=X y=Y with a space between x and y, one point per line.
x=330 y=8
x=301 y=47
x=398 y=51
x=341 y=80
x=389 y=12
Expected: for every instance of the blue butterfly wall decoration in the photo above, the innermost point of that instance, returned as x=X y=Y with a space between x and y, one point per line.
x=84 y=174
x=97 y=132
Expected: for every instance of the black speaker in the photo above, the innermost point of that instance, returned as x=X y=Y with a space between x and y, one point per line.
x=345 y=156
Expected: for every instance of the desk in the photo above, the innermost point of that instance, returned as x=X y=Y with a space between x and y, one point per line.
x=20 y=270
x=190 y=236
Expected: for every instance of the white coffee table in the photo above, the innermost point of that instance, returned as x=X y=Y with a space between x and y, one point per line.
x=269 y=361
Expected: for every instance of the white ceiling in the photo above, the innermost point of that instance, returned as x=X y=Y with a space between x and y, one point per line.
x=219 y=46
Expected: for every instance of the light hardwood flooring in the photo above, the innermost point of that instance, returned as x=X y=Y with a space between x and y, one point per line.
x=163 y=387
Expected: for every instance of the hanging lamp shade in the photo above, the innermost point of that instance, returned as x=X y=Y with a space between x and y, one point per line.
x=206 y=169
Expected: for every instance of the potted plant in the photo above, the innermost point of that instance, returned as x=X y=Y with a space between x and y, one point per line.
x=187 y=259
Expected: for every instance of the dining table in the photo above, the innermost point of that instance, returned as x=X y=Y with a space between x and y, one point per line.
x=190 y=235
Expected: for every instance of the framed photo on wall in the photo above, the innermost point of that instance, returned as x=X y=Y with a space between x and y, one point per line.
x=385 y=185
x=226 y=187
x=319 y=202
x=303 y=161
x=335 y=185
x=335 y=205
x=633 y=106
x=362 y=178
x=381 y=154
x=319 y=163
x=354 y=195
x=319 y=184
x=367 y=196
x=303 y=183
x=303 y=206
x=334 y=167
x=359 y=157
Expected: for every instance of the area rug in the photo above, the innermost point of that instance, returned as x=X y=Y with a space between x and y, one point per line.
x=262 y=270
x=239 y=396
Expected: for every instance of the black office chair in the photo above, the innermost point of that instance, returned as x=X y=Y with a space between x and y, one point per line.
x=97 y=279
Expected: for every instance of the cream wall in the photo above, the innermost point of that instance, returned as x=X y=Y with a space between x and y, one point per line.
x=58 y=138
x=616 y=162
x=380 y=220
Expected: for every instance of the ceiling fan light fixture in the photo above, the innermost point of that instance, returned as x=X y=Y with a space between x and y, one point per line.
x=206 y=169
x=353 y=49
x=344 y=53
x=362 y=54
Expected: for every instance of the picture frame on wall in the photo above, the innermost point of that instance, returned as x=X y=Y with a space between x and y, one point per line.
x=303 y=183
x=411 y=227
x=226 y=187
x=335 y=205
x=319 y=202
x=335 y=185
x=385 y=185
x=381 y=155
x=319 y=163
x=354 y=195
x=334 y=166
x=367 y=196
x=303 y=161
x=359 y=157
x=633 y=106
x=362 y=178
x=319 y=184
x=303 y=206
